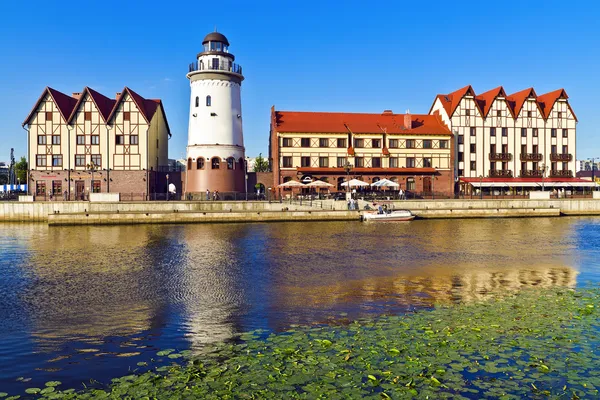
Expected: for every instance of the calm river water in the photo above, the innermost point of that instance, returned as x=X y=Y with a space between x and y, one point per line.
x=81 y=303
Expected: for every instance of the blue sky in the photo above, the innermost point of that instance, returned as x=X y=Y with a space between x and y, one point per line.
x=300 y=55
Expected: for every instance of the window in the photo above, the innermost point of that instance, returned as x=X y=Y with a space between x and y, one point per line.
x=96 y=186
x=40 y=160
x=197 y=101
x=358 y=143
x=473 y=148
x=426 y=144
x=208 y=101
x=95 y=139
x=80 y=139
x=535 y=132
x=473 y=131
x=215 y=163
x=461 y=139
x=492 y=131
x=120 y=139
x=523 y=132
x=565 y=133
x=41 y=139
x=286 y=142
x=97 y=160
x=523 y=149
x=461 y=172
x=305 y=162
x=529 y=114
x=40 y=188
x=565 y=149
x=498 y=113
x=323 y=162
x=341 y=162
x=48 y=115
x=504 y=148
x=56 y=188
x=393 y=143
x=200 y=163
x=287 y=162
x=57 y=160
x=376 y=143
x=80 y=160
x=493 y=148
x=323 y=142
x=341 y=143
x=87 y=115
x=553 y=149
x=535 y=149
x=410 y=162
x=535 y=166
x=493 y=166
x=133 y=139
x=565 y=166
x=443 y=144
x=215 y=63
x=410 y=143
x=359 y=161
x=467 y=112
x=559 y=114
x=189 y=165
x=461 y=156
x=393 y=162
x=126 y=116
x=553 y=168
x=553 y=132
x=504 y=131
x=410 y=183
x=230 y=163
x=473 y=165
x=55 y=139
x=305 y=142
x=376 y=162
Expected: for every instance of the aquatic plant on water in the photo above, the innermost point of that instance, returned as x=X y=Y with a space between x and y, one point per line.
x=533 y=344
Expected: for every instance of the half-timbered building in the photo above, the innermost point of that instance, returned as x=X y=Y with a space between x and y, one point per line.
x=89 y=143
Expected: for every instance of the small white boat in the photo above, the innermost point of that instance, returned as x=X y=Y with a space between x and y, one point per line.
x=390 y=216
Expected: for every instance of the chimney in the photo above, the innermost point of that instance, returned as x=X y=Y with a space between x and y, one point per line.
x=387 y=112
x=76 y=95
x=407 y=120
x=117 y=95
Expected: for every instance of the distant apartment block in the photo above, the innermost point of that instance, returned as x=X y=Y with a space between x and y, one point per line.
x=89 y=143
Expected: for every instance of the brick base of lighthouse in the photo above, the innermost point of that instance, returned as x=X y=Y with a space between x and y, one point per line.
x=197 y=181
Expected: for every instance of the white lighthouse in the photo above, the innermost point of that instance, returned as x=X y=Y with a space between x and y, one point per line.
x=215 y=151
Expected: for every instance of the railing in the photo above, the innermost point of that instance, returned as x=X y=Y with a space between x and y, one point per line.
x=500 y=173
x=500 y=157
x=531 y=157
x=171 y=168
x=523 y=193
x=229 y=67
x=561 y=157
x=561 y=174
x=531 y=173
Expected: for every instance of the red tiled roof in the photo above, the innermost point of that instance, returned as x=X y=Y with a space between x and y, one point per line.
x=546 y=101
x=452 y=100
x=516 y=100
x=64 y=103
x=326 y=122
x=103 y=103
x=486 y=99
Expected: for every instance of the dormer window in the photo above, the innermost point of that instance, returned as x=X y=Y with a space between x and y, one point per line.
x=208 y=101
x=559 y=114
x=467 y=112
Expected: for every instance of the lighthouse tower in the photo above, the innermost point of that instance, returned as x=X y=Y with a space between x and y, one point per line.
x=215 y=151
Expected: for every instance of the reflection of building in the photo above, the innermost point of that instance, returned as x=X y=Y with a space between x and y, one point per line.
x=507 y=138
x=90 y=143
x=215 y=151
x=413 y=150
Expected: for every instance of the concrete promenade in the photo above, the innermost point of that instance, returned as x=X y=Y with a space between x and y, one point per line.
x=84 y=213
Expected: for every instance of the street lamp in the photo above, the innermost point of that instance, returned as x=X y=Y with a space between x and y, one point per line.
x=167 y=176
x=480 y=187
x=543 y=168
x=347 y=168
x=92 y=167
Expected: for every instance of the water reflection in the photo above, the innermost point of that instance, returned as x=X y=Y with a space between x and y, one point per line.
x=91 y=302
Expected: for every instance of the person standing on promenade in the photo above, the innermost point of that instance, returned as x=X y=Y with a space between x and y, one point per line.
x=207 y=194
x=214 y=195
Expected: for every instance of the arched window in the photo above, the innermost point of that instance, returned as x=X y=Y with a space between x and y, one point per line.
x=242 y=164
x=189 y=164
x=410 y=183
x=197 y=101
x=208 y=101
x=215 y=162
x=230 y=163
x=200 y=163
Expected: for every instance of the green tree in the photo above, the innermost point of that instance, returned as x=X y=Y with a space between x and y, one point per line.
x=261 y=164
x=21 y=170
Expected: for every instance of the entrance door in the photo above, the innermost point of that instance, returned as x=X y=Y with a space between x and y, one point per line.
x=427 y=184
x=79 y=190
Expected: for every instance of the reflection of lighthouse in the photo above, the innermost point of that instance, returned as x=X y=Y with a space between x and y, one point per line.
x=215 y=151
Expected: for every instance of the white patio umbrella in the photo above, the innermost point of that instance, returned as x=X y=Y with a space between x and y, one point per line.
x=291 y=183
x=355 y=183
x=386 y=183
x=318 y=183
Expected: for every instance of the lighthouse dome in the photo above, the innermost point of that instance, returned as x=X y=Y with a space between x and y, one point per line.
x=215 y=37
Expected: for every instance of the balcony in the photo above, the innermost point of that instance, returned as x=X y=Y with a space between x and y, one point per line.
x=561 y=174
x=531 y=157
x=228 y=67
x=500 y=173
x=561 y=157
x=531 y=173
x=500 y=157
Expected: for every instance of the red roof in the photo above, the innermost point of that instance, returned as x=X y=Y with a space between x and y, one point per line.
x=452 y=100
x=516 y=100
x=486 y=99
x=64 y=103
x=103 y=103
x=326 y=122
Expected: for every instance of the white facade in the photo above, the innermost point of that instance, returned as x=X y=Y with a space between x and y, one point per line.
x=509 y=136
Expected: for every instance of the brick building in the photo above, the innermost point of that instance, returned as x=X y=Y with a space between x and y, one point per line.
x=89 y=143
